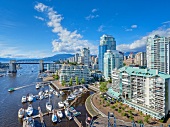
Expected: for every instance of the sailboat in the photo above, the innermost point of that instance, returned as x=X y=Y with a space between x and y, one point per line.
x=59 y=113
x=54 y=117
x=21 y=113
x=49 y=105
x=28 y=122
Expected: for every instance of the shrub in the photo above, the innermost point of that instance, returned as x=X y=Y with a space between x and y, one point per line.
x=123 y=114
x=140 y=121
x=146 y=119
x=131 y=117
x=119 y=111
x=123 y=108
x=161 y=120
x=112 y=107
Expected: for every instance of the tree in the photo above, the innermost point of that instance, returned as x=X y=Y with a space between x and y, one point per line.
x=56 y=77
x=77 y=80
x=82 y=81
x=146 y=119
x=103 y=87
x=63 y=83
x=71 y=82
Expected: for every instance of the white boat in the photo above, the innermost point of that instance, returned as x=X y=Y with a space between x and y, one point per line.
x=81 y=89
x=37 y=86
x=40 y=93
x=30 y=97
x=29 y=110
x=56 y=93
x=66 y=103
x=60 y=104
x=28 y=122
x=61 y=92
x=41 y=97
x=24 y=99
x=68 y=114
x=48 y=106
x=46 y=91
x=70 y=97
x=54 y=117
x=21 y=113
x=59 y=113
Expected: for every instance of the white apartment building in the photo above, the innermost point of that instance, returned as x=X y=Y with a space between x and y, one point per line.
x=72 y=71
x=140 y=59
x=146 y=90
x=158 y=53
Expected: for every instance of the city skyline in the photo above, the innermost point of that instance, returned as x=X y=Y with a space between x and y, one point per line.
x=30 y=29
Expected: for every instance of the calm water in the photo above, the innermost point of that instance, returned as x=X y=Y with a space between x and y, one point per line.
x=10 y=103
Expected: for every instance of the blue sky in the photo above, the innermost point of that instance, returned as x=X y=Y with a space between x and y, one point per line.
x=42 y=28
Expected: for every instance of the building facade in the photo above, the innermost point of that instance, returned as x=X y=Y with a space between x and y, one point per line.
x=140 y=59
x=72 y=71
x=146 y=90
x=106 y=43
x=112 y=59
x=158 y=53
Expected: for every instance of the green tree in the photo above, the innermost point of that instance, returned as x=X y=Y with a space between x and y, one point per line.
x=71 y=82
x=103 y=87
x=146 y=119
x=77 y=80
x=63 y=83
x=82 y=81
x=56 y=77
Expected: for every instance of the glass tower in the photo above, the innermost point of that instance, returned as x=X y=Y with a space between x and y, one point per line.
x=107 y=42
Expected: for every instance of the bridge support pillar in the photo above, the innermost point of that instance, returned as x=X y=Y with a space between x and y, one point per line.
x=12 y=66
x=41 y=66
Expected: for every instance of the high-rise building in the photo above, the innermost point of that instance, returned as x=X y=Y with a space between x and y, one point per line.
x=76 y=57
x=84 y=57
x=158 y=53
x=106 y=43
x=146 y=90
x=140 y=59
x=112 y=59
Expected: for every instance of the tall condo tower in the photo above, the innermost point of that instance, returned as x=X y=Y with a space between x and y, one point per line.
x=107 y=42
x=158 y=53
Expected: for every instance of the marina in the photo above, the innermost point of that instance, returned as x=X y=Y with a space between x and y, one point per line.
x=28 y=77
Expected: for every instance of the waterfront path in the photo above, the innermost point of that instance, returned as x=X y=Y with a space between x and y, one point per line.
x=89 y=108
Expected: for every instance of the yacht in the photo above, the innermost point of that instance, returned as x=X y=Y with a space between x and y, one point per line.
x=40 y=93
x=68 y=114
x=70 y=97
x=21 y=113
x=24 y=99
x=29 y=110
x=28 y=122
x=54 y=117
x=66 y=103
x=48 y=106
x=37 y=86
x=60 y=104
x=81 y=89
x=41 y=97
x=30 y=97
x=59 y=113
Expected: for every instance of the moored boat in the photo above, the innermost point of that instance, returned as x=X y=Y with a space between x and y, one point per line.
x=48 y=106
x=59 y=113
x=21 y=113
x=28 y=122
x=60 y=104
x=30 y=97
x=37 y=86
x=24 y=99
x=68 y=114
x=66 y=103
x=29 y=110
x=54 y=117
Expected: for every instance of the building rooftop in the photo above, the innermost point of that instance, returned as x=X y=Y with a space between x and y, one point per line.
x=144 y=72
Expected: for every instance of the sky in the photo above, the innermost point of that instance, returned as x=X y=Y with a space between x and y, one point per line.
x=36 y=29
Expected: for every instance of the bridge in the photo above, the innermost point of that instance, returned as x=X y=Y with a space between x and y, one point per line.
x=13 y=63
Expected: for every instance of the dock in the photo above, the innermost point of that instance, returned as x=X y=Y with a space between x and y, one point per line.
x=77 y=121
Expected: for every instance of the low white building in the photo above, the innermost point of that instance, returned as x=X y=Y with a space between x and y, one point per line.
x=146 y=90
x=71 y=71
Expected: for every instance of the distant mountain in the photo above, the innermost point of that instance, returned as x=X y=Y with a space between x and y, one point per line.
x=58 y=57
x=5 y=59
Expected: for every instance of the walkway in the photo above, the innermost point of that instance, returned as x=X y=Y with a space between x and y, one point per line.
x=89 y=108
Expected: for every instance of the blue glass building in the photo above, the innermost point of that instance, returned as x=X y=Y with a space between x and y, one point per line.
x=106 y=43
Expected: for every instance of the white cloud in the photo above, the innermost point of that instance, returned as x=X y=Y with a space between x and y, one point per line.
x=40 y=7
x=140 y=44
x=167 y=22
x=94 y=10
x=100 y=29
x=67 y=41
x=128 y=29
x=134 y=26
x=40 y=18
x=91 y=17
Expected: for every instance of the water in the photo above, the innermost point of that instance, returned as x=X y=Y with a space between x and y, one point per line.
x=10 y=103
